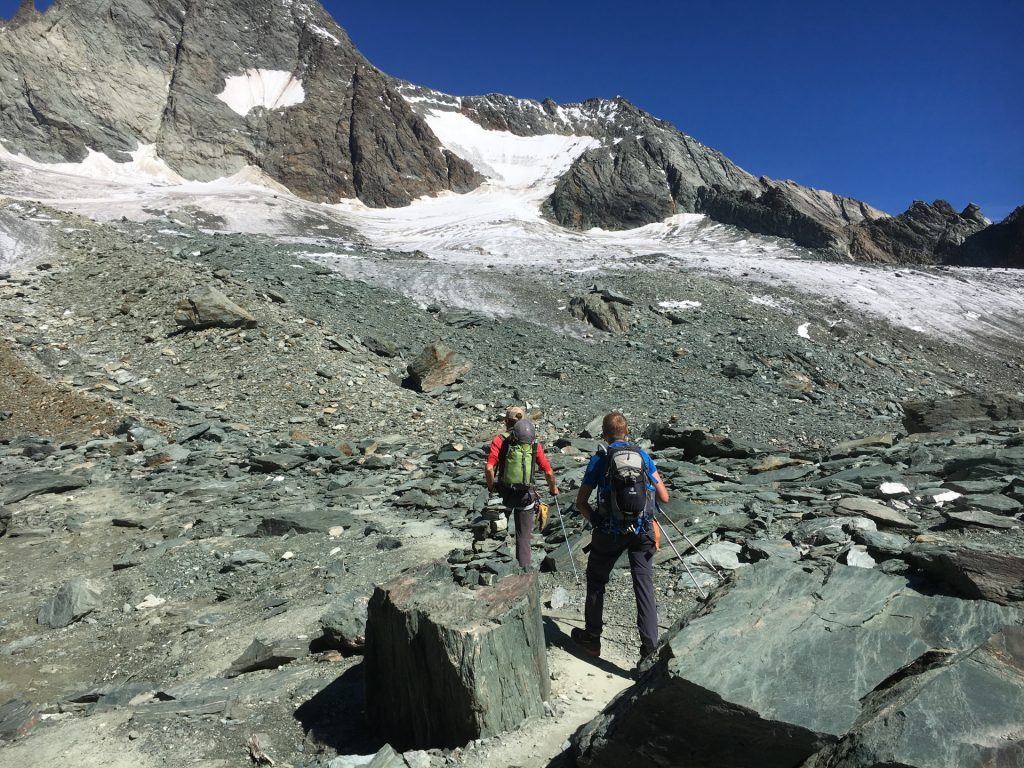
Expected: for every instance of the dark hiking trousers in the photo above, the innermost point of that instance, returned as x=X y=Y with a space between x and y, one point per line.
x=605 y=549
x=522 y=507
x=524 y=519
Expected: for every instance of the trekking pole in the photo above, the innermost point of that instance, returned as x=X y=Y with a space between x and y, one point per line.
x=568 y=544
x=693 y=578
x=711 y=565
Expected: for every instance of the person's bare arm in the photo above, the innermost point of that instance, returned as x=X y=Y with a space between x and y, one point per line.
x=489 y=476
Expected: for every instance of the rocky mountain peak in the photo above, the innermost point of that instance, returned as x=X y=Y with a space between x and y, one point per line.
x=998 y=245
x=973 y=213
x=26 y=12
x=215 y=86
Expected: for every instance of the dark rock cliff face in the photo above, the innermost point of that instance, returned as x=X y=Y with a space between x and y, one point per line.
x=924 y=234
x=645 y=170
x=1000 y=245
x=109 y=75
x=770 y=213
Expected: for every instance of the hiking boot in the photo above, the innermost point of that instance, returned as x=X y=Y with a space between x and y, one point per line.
x=591 y=644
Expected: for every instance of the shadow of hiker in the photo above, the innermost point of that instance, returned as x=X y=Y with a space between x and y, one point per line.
x=335 y=716
x=553 y=635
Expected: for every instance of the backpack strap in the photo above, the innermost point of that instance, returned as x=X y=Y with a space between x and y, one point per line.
x=502 y=458
x=533 y=464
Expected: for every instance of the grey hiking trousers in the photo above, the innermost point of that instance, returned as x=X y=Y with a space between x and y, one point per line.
x=524 y=520
x=605 y=549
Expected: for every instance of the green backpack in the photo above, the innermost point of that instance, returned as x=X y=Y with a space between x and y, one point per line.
x=515 y=465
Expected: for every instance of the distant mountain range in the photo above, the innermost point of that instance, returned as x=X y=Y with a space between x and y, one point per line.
x=218 y=85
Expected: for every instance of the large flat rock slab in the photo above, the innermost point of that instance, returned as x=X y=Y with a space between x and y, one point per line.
x=777 y=667
x=961 y=412
x=964 y=711
x=35 y=483
x=446 y=665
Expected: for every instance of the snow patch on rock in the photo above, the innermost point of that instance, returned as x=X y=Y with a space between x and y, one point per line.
x=512 y=161
x=267 y=88
x=145 y=164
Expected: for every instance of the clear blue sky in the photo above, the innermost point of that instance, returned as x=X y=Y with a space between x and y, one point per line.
x=883 y=101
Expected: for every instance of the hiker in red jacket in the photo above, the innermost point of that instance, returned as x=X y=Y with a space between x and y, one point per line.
x=509 y=471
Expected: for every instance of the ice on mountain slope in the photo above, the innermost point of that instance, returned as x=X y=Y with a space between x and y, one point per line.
x=499 y=224
x=267 y=88
x=507 y=160
x=9 y=251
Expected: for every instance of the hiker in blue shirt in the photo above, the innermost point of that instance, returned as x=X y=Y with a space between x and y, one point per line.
x=621 y=524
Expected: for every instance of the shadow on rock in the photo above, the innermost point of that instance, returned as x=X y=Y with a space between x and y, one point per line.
x=334 y=717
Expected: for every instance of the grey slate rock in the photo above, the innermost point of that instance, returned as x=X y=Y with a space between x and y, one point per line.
x=210 y=308
x=758 y=665
x=961 y=412
x=857 y=447
x=735 y=370
x=971 y=572
x=277 y=462
x=446 y=665
x=76 y=598
x=697 y=442
x=418 y=499
x=992 y=502
x=192 y=432
x=785 y=475
x=314 y=520
x=242 y=557
x=985 y=487
x=762 y=549
x=821 y=531
x=882 y=515
x=561 y=560
x=35 y=483
x=983 y=463
x=956 y=710
x=857 y=556
x=260 y=655
x=17 y=718
x=607 y=316
x=880 y=544
x=344 y=623
x=436 y=366
x=350 y=761
x=973 y=518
